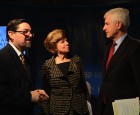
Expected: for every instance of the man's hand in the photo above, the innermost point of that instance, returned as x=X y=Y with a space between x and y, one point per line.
x=34 y=96
x=42 y=96
x=39 y=96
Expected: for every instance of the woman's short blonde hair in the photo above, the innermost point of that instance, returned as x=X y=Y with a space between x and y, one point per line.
x=52 y=38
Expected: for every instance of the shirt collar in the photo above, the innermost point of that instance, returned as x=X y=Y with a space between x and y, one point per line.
x=119 y=41
x=16 y=50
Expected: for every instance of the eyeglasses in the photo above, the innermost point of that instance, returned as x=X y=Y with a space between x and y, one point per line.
x=26 y=32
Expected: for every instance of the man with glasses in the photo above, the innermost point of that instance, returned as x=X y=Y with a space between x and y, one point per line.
x=17 y=95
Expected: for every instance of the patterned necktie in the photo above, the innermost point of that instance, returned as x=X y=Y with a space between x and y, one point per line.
x=110 y=54
x=22 y=60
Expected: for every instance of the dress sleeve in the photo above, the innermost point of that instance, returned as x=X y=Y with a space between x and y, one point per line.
x=83 y=81
x=45 y=86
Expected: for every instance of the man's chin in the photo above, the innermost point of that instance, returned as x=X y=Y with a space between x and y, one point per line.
x=28 y=44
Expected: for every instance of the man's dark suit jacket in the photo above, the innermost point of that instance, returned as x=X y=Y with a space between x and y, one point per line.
x=15 y=84
x=122 y=79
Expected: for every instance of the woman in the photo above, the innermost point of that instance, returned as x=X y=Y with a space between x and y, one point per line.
x=63 y=78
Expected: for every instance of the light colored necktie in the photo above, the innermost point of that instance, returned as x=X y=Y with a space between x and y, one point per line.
x=22 y=60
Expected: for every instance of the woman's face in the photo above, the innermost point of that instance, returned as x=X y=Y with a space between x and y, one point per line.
x=62 y=46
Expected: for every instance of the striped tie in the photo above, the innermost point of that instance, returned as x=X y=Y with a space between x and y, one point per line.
x=22 y=60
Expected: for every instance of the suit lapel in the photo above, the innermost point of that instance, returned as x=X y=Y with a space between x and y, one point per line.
x=25 y=73
x=55 y=71
x=73 y=66
x=118 y=54
x=105 y=59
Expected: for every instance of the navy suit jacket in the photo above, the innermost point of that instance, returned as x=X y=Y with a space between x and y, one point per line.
x=122 y=79
x=15 y=84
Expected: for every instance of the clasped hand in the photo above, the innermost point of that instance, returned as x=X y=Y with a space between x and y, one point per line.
x=39 y=96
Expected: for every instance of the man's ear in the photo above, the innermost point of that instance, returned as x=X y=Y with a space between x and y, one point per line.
x=119 y=25
x=11 y=35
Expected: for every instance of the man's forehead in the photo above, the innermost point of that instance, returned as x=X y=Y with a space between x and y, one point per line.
x=24 y=26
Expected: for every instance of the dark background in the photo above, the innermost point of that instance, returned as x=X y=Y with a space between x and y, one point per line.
x=83 y=23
